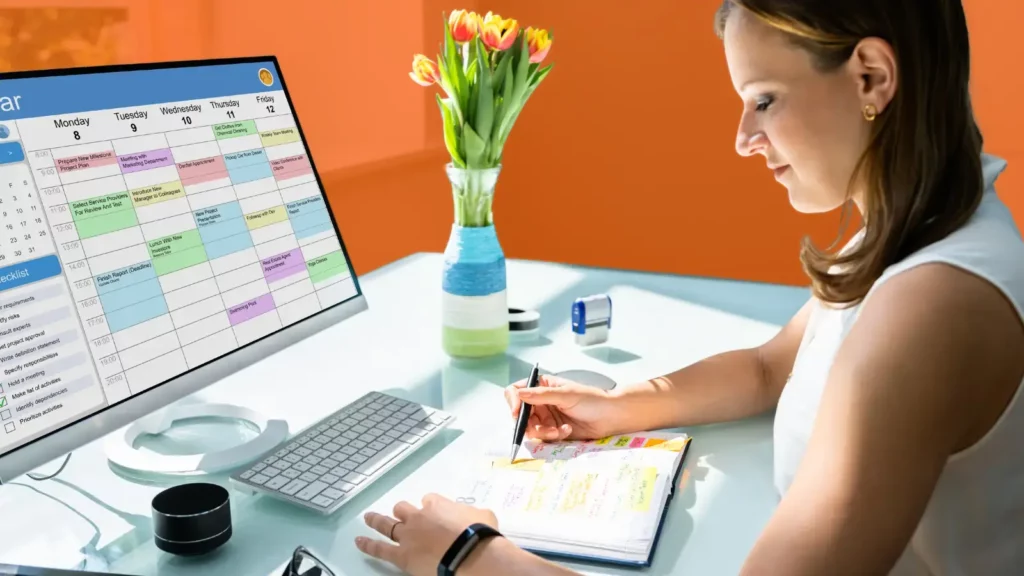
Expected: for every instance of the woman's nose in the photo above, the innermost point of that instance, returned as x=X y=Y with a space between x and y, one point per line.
x=750 y=139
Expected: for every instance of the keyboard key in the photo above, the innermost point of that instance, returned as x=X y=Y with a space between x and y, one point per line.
x=331 y=447
x=392 y=421
x=330 y=479
x=402 y=428
x=282 y=465
x=368 y=452
x=377 y=446
x=277 y=482
x=375 y=417
x=281 y=453
x=340 y=471
x=270 y=460
x=343 y=486
x=367 y=438
x=270 y=471
x=293 y=487
x=418 y=431
x=259 y=479
x=259 y=466
x=410 y=422
x=312 y=460
x=347 y=465
x=375 y=433
x=321 y=428
x=357 y=444
x=436 y=418
x=409 y=438
x=323 y=453
x=331 y=463
x=322 y=439
x=293 y=446
x=303 y=451
x=394 y=433
x=322 y=501
x=350 y=434
x=375 y=406
x=314 y=445
x=310 y=491
x=309 y=477
x=357 y=458
x=293 y=458
x=291 y=473
x=332 y=421
x=247 y=474
x=333 y=493
x=382 y=458
x=301 y=466
x=319 y=470
x=354 y=477
x=349 y=450
x=359 y=429
x=331 y=433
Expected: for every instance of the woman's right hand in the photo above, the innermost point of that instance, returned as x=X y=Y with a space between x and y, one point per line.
x=564 y=410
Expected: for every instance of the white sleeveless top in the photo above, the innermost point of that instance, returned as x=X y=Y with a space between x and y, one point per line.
x=974 y=522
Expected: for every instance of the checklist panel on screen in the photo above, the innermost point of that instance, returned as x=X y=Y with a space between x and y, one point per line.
x=152 y=220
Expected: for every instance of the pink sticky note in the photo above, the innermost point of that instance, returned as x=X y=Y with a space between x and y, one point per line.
x=637 y=442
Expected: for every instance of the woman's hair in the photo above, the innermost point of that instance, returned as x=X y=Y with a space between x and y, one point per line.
x=922 y=169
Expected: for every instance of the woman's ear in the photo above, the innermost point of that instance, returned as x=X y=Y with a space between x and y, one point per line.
x=873 y=66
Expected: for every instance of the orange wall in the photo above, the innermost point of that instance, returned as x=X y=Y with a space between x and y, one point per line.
x=624 y=158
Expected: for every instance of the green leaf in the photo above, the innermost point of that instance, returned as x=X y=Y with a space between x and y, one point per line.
x=503 y=109
x=484 y=111
x=475 y=148
x=450 y=138
x=536 y=78
x=456 y=73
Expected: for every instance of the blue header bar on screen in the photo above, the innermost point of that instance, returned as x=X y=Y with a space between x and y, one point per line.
x=70 y=93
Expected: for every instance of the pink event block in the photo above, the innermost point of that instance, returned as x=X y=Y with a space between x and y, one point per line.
x=283 y=265
x=83 y=161
x=291 y=166
x=637 y=442
x=202 y=170
x=145 y=160
x=250 y=309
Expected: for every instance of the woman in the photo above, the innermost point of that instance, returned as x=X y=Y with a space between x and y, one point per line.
x=896 y=388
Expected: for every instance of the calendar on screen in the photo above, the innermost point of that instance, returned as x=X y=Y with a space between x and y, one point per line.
x=151 y=220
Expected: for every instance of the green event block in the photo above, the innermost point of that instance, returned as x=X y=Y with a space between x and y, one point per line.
x=103 y=214
x=323 y=267
x=234 y=129
x=176 y=252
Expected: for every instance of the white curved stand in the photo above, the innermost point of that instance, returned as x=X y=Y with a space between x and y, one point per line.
x=120 y=445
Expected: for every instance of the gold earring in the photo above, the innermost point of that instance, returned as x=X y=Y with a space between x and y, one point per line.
x=870 y=112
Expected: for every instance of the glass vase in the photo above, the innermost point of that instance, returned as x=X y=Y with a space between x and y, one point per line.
x=474 y=306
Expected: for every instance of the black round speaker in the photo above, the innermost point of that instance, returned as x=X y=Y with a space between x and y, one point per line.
x=191 y=519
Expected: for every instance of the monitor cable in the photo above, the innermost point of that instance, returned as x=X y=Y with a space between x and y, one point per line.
x=38 y=478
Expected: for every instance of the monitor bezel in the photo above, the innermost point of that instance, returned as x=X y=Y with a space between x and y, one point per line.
x=94 y=426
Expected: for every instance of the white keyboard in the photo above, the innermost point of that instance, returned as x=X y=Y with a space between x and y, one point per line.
x=328 y=463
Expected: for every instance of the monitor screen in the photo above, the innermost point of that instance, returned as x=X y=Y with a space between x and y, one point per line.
x=152 y=219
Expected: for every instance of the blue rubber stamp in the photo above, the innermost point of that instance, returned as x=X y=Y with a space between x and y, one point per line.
x=591 y=319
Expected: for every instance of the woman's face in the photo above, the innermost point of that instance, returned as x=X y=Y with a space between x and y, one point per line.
x=809 y=125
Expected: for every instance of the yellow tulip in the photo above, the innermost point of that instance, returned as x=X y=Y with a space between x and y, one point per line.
x=539 y=43
x=499 y=33
x=424 y=70
x=464 y=25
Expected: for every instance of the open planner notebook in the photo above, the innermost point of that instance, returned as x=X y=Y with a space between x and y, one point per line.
x=601 y=500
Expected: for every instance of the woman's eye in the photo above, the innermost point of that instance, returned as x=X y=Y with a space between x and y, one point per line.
x=764 y=103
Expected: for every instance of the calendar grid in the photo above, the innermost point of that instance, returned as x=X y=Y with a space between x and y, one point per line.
x=161 y=342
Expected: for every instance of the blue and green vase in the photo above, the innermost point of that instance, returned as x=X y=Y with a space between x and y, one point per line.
x=474 y=306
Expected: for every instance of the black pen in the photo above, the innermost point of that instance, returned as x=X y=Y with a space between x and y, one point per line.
x=524 y=413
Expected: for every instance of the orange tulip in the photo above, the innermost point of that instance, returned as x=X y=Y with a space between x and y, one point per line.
x=424 y=70
x=499 y=33
x=539 y=43
x=464 y=25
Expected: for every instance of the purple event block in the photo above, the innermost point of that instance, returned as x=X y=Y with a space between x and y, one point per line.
x=283 y=265
x=145 y=160
x=250 y=309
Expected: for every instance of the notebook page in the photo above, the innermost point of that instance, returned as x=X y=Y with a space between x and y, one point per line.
x=607 y=493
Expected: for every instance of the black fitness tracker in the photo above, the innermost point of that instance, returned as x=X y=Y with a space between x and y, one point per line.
x=462 y=546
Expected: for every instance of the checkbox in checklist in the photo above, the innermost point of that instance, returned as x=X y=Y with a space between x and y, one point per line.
x=3 y=401
x=5 y=415
x=9 y=427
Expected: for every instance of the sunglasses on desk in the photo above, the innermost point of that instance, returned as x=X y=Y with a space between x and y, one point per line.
x=304 y=563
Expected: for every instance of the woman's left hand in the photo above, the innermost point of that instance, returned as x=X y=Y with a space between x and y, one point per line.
x=421 y=535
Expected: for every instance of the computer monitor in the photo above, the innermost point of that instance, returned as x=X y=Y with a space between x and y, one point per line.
x=161 y=226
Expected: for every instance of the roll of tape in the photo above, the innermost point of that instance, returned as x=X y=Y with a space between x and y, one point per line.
x=523 y=320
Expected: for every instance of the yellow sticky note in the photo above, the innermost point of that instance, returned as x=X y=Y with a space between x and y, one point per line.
x=603 y=441
x=675 y=444
x=528 y=464
x=622 y=442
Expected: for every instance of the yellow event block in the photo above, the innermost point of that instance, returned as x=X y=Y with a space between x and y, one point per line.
x=642 y=490
x=266 y=217
x=157 y=193
x=281 y=136
x=675 y=444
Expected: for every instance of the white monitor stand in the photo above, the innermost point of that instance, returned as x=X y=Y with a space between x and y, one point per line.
x=120 y=446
